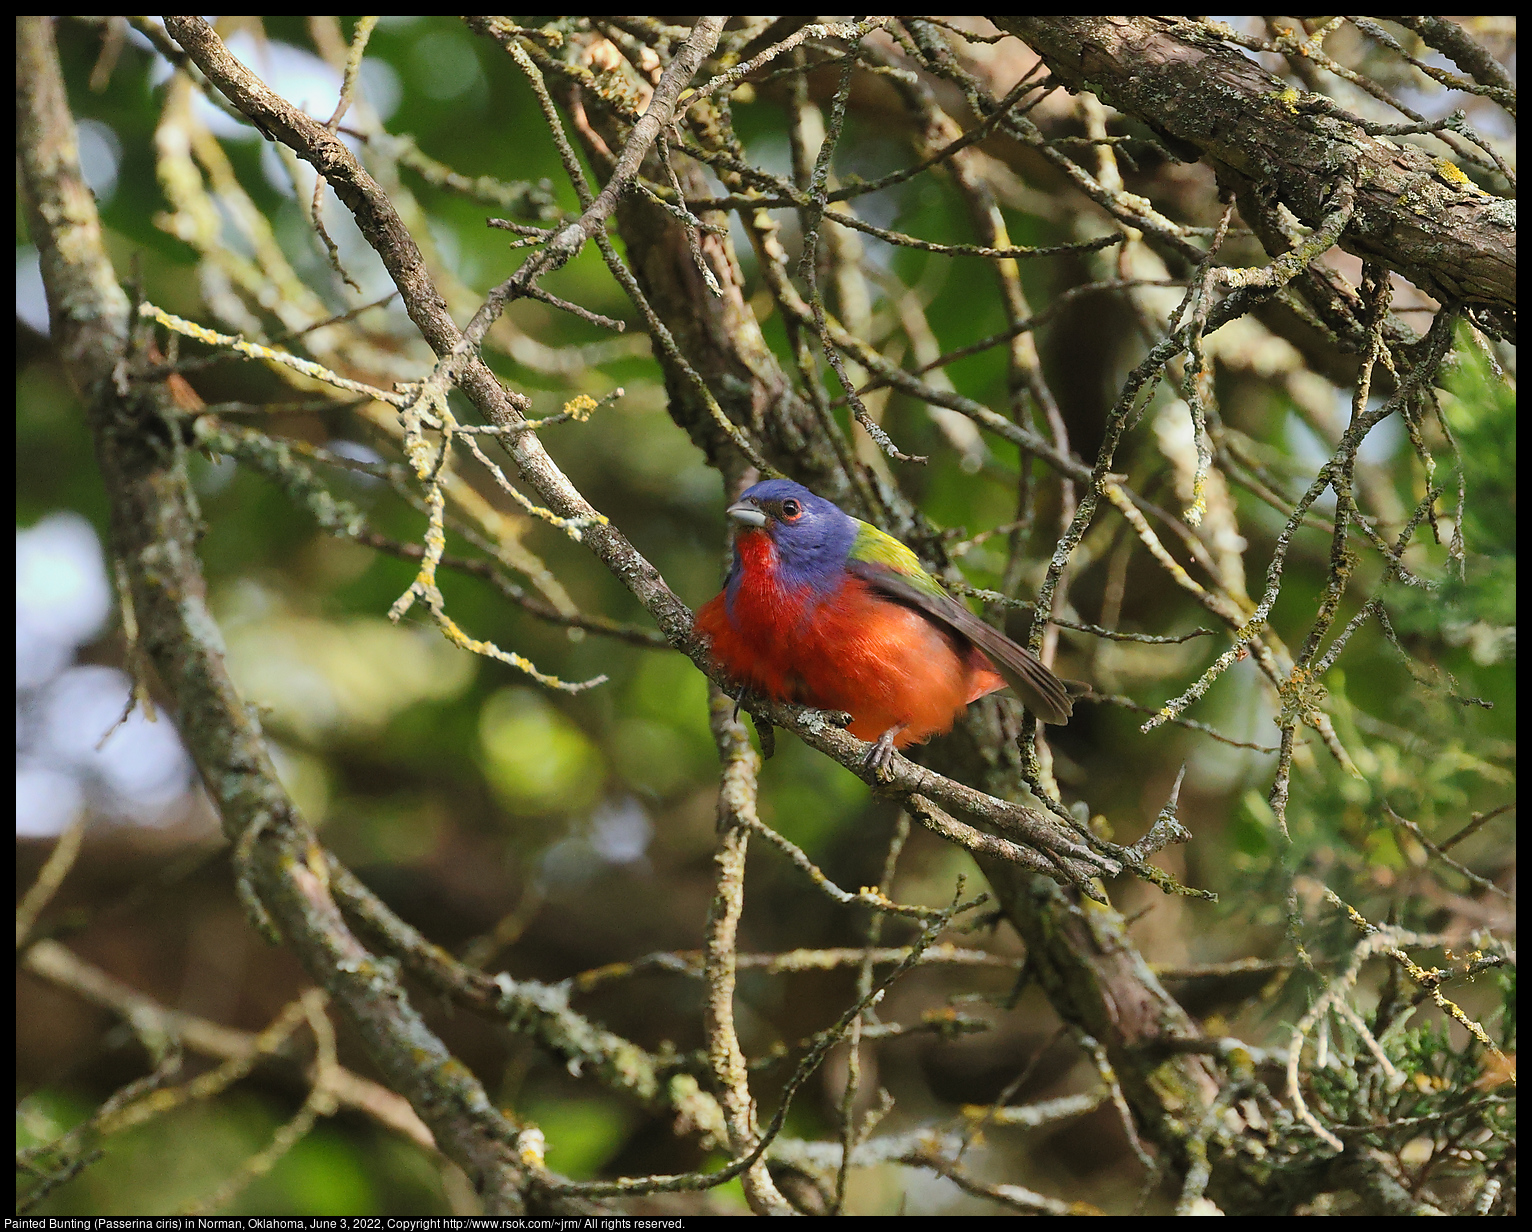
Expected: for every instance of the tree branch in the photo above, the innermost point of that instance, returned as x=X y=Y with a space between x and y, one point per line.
x=1414 y=214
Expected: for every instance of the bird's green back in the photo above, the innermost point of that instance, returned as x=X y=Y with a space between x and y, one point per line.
x=873 y=547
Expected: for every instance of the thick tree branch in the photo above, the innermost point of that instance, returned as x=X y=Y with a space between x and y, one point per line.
x=1414 y=214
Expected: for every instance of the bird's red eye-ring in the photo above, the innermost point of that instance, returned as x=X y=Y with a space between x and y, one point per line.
x=791 y=508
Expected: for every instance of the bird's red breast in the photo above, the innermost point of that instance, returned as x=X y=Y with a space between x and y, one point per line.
x=843 y=648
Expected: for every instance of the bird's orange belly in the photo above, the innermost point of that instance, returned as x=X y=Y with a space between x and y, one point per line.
x=886 y=665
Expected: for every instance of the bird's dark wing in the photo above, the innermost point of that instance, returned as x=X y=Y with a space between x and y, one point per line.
x=1042 y=691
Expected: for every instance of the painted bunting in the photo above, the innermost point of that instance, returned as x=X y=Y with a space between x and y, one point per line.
x=826 y=611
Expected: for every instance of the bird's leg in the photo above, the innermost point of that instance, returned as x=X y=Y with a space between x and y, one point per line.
x=742 y=701
x=880 y=753
x=745 y=700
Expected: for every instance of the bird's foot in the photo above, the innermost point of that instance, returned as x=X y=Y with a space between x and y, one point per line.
x=767 y=735
x=880 y=754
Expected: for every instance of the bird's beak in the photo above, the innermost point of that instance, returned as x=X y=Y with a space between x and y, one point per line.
x=744 y=511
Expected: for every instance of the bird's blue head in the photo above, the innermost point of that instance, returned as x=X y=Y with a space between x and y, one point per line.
x=812 y=536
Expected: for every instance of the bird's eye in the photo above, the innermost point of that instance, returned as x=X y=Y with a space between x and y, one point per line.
x=791 y=508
